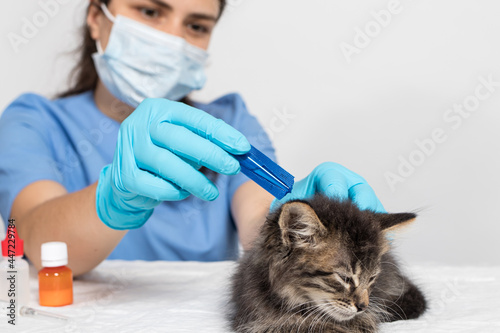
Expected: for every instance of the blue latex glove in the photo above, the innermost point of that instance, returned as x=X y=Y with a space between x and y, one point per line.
x=160 y=148
x=334 y=180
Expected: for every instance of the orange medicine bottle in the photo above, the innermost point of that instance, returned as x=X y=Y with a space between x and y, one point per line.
x=55 y=280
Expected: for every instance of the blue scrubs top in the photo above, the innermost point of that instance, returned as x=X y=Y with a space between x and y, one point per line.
x=69 y=140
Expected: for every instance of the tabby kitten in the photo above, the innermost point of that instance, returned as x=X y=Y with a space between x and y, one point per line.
x=322 y=266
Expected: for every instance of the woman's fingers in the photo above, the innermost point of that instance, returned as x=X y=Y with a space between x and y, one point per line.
x=330 y=179
x=169 y=167
x=364 y=197
x=165 y=142
x=190 y=146
x=334 y=180
x=198 y=122
x=150 y=186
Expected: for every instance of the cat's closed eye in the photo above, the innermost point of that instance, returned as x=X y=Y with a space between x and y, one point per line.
x=322 y=273
x=345 y=278
x=316 y=273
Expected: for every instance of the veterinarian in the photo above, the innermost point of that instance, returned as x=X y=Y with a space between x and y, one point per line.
x=118 y=176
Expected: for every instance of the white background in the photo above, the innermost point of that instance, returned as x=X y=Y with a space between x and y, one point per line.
x=284 y=57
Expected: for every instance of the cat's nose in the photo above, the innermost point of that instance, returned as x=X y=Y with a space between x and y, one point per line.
x=361 y=300
x=361 y=306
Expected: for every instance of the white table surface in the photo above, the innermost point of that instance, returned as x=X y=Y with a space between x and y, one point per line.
x=139 y=296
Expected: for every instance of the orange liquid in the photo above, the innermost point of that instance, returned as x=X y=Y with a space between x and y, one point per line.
x=55 y=286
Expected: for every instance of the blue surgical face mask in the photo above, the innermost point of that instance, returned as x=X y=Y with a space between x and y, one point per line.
x=140 y=62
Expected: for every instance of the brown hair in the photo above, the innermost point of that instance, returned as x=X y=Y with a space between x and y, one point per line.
x=84 y=71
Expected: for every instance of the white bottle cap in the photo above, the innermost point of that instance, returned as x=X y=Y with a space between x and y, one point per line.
x=54 y=254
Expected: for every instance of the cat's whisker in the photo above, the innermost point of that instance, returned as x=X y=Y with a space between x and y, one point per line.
x=397 y=305
x=314 y=314
x=399 y=293
x=391 y=295
x=331 y=311
x=319 y=320
x=307 y=309
x=317 y=310
x=377 y=310
x=387 y=316
x=325 y=322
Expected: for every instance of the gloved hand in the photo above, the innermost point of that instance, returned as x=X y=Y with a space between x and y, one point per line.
x=334 y=180
x=160 y=147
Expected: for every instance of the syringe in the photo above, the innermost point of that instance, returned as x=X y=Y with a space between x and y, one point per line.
x=27 y=311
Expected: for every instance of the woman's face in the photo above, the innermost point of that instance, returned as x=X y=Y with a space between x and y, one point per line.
x=192 y=20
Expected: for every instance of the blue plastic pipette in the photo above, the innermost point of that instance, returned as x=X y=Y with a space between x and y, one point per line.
x=266 y=173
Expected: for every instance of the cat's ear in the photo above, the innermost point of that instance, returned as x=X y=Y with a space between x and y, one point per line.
x=300 y=226
x=390 y=222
